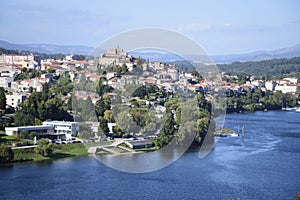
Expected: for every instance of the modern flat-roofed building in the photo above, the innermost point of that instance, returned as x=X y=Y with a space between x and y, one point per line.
x=68 y=129
x=15 y=131
x=49 y=129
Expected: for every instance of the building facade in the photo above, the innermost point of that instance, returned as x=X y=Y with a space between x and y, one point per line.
x=49 y=129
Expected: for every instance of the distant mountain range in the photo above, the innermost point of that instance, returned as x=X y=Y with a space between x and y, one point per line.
x=48 y=48
x=289 y=52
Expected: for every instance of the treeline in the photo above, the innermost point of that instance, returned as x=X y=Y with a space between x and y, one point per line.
x=256 y=99
x=8 y=51
x=266 y=69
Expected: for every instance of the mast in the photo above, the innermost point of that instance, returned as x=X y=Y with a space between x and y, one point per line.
x=243 y=132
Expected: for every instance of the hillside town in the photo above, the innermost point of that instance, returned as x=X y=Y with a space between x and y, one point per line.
x=21 y=75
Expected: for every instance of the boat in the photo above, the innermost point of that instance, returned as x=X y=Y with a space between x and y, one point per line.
x=222 y=135
x=233 y=134
x=298 y=109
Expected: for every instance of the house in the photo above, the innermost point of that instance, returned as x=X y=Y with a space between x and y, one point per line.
x=5 y=81
x=15 y=99
x=270 y=85
x=15 y=58
x=288 y=88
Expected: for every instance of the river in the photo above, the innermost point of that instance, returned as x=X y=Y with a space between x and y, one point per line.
x=265 y=165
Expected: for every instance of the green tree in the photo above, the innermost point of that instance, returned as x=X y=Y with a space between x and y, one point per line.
x=2 y=98
x=85 y=131
x=103 y=127
x=102 y=105
x=140 y=92
x=6 y=154
x=102 y=87
x=44 y=148
x=202 y=127
x=108 y=116
x=169 y=126
x=118 y=131
x=23 y=119
x=33 y=134
x=23 y=135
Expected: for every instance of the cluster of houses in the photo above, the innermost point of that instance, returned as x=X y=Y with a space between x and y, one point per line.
x=285 y=85
x=165 y=76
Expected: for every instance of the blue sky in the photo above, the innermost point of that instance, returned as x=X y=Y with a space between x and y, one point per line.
x=221 y=27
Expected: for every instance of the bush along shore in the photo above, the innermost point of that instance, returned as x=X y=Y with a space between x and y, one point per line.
x=42 y=152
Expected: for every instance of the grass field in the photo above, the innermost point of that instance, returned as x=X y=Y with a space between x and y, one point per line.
x=60 y=151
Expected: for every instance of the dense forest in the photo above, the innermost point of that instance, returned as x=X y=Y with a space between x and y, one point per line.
x=256 y=99
x=267 y=69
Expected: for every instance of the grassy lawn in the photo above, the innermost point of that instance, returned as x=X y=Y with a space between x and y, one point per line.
x=8 y=139
x=77 y=149
x=60 y=151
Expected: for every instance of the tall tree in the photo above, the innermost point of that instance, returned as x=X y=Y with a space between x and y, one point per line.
x=6 y=154
x=2 y=99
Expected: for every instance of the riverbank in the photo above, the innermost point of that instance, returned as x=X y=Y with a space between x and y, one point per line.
x=23 y=155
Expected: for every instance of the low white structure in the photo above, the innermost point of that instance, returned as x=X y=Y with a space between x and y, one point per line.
x=287 y=88
x=15 y=131
x=49 y=129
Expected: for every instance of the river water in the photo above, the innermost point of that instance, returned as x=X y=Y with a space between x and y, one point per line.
x=265 y=165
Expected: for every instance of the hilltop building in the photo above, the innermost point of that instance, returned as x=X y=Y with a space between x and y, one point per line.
x=114 y=57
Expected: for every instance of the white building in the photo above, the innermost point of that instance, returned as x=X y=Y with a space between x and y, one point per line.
x=49 y=129
x=15 y=58
x=287 y=88
x=62 y=128
x=15 y=99
x=270 y=85
x=5 y=81
x=291 y=80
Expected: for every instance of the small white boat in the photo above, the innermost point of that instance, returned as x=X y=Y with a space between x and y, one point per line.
x=298 y=109
x=233 y=134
